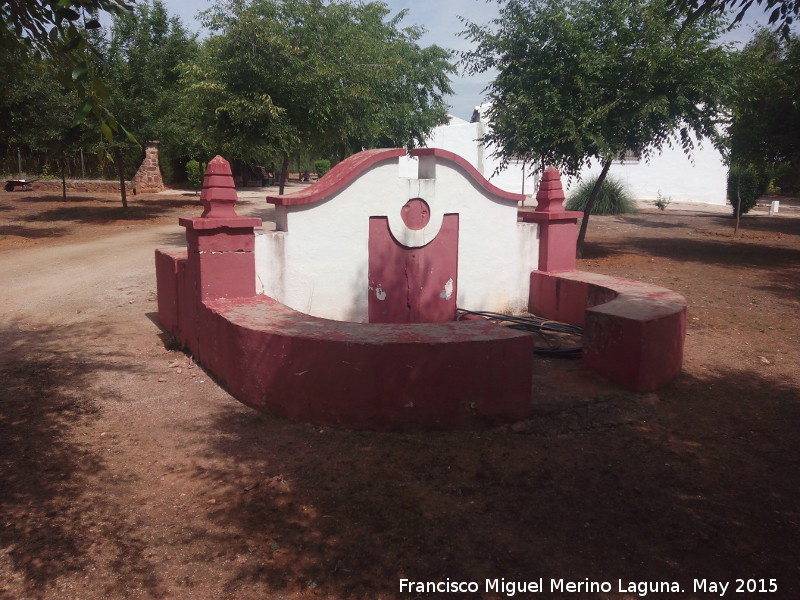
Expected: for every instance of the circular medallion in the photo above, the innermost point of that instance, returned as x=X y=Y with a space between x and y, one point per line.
x=416 y=214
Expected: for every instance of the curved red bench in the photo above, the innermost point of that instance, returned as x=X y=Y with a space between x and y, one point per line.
x=376 y=376
x=357 y=375
x=633 y=331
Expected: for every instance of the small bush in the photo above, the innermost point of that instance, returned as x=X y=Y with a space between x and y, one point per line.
x=47 y=173
x=195 y=173
x=787 y=178
x=613 y=199
x=662 y=202
x=321 y=167
x=748 y=182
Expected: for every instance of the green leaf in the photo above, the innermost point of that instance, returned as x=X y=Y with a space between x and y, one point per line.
x=130 y=136
x=73 y=42
x=101 y=90
x=82 y=113
x=67 y=14
x=80 y=72
x=107 y=133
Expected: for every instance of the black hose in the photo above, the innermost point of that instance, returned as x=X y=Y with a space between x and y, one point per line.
x=544 y=328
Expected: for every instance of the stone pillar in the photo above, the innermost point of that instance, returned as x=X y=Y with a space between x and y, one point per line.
x=148 y=178
x=558 y=231
x=221 y=256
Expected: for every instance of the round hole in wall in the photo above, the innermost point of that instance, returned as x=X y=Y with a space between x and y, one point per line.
x=416 y=214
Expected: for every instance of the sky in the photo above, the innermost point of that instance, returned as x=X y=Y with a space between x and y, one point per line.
x=441 y=20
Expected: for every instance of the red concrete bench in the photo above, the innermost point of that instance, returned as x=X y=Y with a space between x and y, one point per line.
x=633 y=331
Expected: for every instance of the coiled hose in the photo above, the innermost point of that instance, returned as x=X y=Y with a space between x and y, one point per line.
x=551 y=332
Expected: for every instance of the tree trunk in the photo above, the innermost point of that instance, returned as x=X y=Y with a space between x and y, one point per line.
x=63 y=179
x=121 y=172
x=589 y=206
x=284 y=174
x=738 y=201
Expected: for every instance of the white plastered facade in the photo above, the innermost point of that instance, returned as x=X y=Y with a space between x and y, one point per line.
x=317 y=261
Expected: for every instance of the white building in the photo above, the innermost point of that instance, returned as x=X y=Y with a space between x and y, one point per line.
x=671 y=174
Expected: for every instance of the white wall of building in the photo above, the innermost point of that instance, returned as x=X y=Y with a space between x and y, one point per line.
x=671 y=173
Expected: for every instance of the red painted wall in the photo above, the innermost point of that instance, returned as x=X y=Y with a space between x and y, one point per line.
x=412 y=285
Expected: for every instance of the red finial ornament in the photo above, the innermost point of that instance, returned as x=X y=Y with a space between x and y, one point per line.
x=219 y=191
x=550 y=196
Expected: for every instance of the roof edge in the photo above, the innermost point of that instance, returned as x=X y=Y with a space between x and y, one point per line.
x=337 y=178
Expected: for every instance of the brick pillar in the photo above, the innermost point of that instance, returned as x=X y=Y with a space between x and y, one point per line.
x=148 y=178
x=558 y=231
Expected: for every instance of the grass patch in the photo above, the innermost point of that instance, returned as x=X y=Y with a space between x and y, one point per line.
x=614 y=197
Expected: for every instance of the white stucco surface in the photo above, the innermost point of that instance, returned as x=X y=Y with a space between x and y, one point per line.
x=318 y=262
x=701 y=179
x=671 y=173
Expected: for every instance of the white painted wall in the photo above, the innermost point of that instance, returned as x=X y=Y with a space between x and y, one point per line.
x=318 y=263
x=671 y=173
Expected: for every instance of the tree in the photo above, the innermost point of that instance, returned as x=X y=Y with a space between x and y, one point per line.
x=279 y=77
x=766 y=113
x=144 y=52
x=762 y=135
x=38 y=112
x=589 y=80
x=60 y=30
x=782 y=13
x=44 y=25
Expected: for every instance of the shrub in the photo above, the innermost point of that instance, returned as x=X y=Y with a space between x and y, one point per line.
x=747 y=182
x=787 y=178
x=47 y=173
x=662 y=202
x=195 y=172
x=613 y=199
x=321 y=167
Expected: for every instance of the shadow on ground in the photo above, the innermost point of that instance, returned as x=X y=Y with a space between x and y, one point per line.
x=704 y=488
x=643 y=222
x=779 y=265
x=51 y=515
x=137 y=210
x=56 y=197
x=33 y=233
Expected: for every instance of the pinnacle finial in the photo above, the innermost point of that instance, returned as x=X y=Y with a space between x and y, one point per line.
x=219 y=191
x=550 y=196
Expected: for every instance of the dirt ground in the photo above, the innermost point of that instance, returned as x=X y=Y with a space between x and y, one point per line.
x=127 y=472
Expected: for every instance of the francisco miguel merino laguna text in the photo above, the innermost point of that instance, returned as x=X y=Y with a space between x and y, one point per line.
x=511 y=588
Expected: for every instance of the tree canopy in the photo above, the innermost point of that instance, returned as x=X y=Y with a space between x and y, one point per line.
x=59 y=33
x=145 y=51
x=782 y=13
x=765 y=108
x=589 y=80
x=280 y=76
x=52 y=25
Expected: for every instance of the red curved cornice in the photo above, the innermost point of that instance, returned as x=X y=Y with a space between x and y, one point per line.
x=349 y=169
x=464 y=164
x=338 y=177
